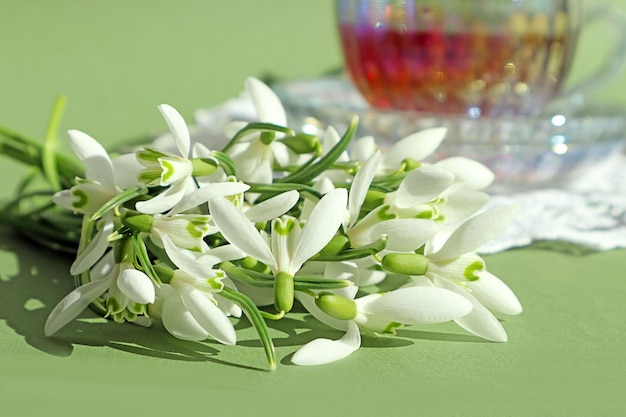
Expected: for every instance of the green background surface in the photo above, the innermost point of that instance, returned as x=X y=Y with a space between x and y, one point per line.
x=116 y=61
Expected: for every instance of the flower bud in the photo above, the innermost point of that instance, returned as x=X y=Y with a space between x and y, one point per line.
x=138 y=222
x=203 y=166
x=302 y=143
x=405 y=263
x=373 y=199
x=283 y=292
x=336 y=306
x=337 y=244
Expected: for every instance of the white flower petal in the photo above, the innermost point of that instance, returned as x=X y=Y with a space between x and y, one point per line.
x=321 y=351
x=476 y=231
x=360 y=186
x=239 y=231
x=273 y=207
x=178 y=127
x=126 y=171
x=494 y=294
x=281 y=153
x=471 y=173
x=266 y=103
x=226 y=253
x=323 y=223
x=179 y=322
x=94 y=251
x=422 y=185
x=462 y=204
x=417 y=305
x=95 y=158
x=479 y=321
x=164 y=201
x=368 y=275
x=404 y=235
x=324 y=185
x=199 y=267
x=208 y=315
x=136 y=285
x=73 y=304
x=363 y=148
x=65 y=199
x=207 y=192
x=416 y=146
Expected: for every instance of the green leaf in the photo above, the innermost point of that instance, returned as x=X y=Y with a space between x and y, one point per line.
x=120 y=198
x=254 y=315
x=356 y=253
x=225 y=162
x=322 y=164
x=48 y=154
x=141 y=253
x=256 y=127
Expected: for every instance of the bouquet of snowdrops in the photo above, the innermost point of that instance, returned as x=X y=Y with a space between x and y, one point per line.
x=197 y=237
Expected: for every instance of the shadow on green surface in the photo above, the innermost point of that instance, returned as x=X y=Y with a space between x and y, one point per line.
x=33 y=280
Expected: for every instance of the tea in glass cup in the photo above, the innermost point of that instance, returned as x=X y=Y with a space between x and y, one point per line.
x=477 y=57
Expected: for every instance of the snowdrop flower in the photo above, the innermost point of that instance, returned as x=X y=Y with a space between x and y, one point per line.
x=174 y=171
x=99 y=185
x=189 y=305
x=127 y=291
x=415 y=148
x=188 y=309
x=378 y=313
x=456 y=267
x=186 y=230
x=403 y=234
x=289 y=246
x=432 y=192
x=104 y=179
x=254 y=159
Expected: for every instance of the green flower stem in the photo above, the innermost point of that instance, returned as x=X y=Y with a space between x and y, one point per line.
x=256 y=127
x=141 y=253
x=86 y=235
x=256 y=318
x=120 y=198
x=272 y=316
x=244 y=275
x=310 y=172
x=356 y=253
x=271 y=190
x=30 y=152
x=48 y=159
x=225 y=162
x=300 y=283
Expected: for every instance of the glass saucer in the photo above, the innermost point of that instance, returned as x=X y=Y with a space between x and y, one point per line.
x=524 y=152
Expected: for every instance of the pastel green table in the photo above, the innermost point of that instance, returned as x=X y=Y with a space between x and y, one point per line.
x=116 y=61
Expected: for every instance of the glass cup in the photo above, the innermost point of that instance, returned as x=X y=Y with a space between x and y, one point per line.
x=477 y=57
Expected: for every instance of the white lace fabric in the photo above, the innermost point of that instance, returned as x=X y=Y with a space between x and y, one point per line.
x=589 y=210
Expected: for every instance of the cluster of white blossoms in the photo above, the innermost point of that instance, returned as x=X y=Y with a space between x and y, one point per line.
x=194 y=236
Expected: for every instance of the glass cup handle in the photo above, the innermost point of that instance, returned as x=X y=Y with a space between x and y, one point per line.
x=612 y=65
